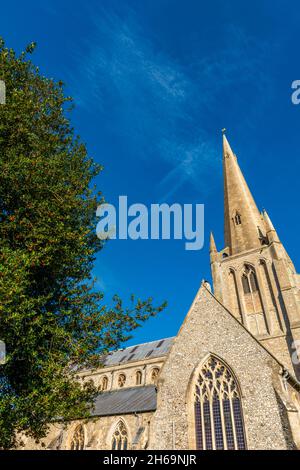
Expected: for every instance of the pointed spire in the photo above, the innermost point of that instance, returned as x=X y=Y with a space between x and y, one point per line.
x=271 y=232
x=226 y=148
x=243 y=222
x=213 y=252
x=212 y=245
x=269 y=225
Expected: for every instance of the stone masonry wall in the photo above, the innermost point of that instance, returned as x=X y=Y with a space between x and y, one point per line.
x=210 y=328
x=98 y=433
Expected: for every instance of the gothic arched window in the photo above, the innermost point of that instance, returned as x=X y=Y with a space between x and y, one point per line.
x=246 y=285
x=253 y=282
x=138 y=377
x=104 y=384
x=256 y=320
x=249 y=280
x=120 y=437
x=77 y=442
x=121 y=380
x=218 y=410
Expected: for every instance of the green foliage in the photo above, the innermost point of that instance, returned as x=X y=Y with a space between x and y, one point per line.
x=51 y=317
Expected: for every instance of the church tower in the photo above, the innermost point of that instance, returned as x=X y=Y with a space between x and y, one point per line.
x=253 y=275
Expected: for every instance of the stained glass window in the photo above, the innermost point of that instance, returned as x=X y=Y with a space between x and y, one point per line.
x=217 y=407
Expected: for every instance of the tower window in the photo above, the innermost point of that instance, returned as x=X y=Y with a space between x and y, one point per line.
x=253 y=282
x=249 y=281
x=218 y=410
x=237 y=219
x=246 y=285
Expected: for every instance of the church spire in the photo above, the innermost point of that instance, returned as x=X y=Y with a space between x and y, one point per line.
x=244 y=225
x=271 y=232
x=212 y=248
x=253 y=276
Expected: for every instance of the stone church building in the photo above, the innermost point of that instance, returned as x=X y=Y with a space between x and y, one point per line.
x=229 y=378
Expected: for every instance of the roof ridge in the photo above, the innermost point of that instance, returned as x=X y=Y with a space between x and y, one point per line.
x=138 y=352
x=142 y=344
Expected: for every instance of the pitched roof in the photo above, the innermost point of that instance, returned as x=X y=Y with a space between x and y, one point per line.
x=126 y=400
x=139 y=352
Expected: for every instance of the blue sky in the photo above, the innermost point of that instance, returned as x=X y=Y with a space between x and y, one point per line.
x=154 y=82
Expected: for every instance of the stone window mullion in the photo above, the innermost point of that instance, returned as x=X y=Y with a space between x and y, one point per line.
x=212 y=422
x=233 y=424
x=203 y=426
x=120 y=437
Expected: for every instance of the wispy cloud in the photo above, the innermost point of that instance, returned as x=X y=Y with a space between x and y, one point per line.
x=160 y=106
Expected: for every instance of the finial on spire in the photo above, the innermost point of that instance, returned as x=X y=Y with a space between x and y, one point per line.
x=224 y=130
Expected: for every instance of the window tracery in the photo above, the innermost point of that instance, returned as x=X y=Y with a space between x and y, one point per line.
x=218 y=409
x=77 y=442
x=120 y=437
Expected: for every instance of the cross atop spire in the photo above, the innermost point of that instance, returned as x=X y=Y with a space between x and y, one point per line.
x=243 y=221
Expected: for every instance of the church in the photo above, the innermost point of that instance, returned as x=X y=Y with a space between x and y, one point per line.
x=229 y=378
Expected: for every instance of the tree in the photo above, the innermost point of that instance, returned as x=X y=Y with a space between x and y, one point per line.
x=52 y=319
